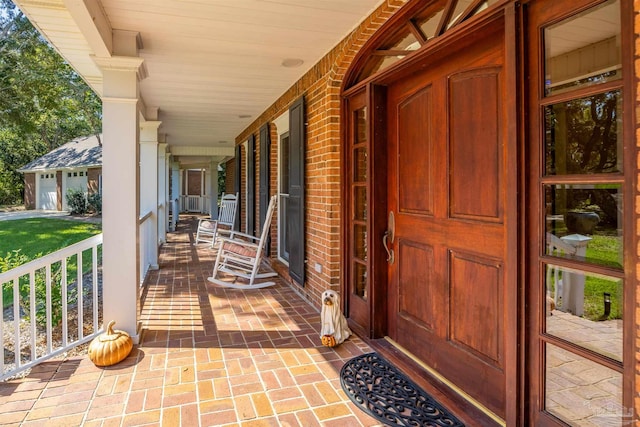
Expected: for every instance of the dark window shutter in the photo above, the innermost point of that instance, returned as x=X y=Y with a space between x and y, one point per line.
x=265 y=177
x=237 y=184
x=251 y=185
x=295 y=205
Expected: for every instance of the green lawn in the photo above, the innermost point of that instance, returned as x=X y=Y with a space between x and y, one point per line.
x=41 y=236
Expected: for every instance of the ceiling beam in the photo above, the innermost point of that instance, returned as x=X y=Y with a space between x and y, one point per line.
x=94 y=25
x=201 y=151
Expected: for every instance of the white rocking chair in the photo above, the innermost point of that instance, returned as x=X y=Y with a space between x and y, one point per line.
x=240 y=255
x=209 y=229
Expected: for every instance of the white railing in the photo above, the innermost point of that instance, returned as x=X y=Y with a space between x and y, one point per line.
x=206 y=203
x=163 y=222
x=194 y=204
x=146 y=244
x=50 y=312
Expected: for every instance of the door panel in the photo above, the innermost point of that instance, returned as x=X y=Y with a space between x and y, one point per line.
x=447 y=145
x=415 y=147
x=476 y=298
x=475 y=118
x=417 y=302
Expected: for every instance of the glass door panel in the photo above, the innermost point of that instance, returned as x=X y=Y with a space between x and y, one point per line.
x=585 y=309
x=583 y=50
x=582 y=392
x=359 y=203
x=584 y=135
x=357 y=213
x=588 y=217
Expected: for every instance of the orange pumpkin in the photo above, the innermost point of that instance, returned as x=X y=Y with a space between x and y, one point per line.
x=110 y=347
x=329 y=340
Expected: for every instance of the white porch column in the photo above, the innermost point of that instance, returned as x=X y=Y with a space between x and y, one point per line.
x=213 y=176
x=163 y=189
x=175 y=192
x=120 y=184
x=149 y=185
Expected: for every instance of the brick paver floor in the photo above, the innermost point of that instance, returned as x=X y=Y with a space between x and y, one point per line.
x=212 y=356
x=209 y=356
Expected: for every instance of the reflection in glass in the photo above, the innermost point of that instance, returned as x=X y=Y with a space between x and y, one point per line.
x=360 y=203
x=361 y=125
x=587 y=218
x=584 y=135
x=586 y=309
x=283 y=241
x=284 y=164
x=576 y=57
x=360 y=165
x=461 y=6
x=429 y=22
x=484 y=5
x=360 y=241
x=360 y=274
x=581 y=392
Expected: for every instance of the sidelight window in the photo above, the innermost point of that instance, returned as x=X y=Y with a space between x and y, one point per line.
x=582 y=183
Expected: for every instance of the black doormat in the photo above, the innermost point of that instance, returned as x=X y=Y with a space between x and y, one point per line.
x=379 y=389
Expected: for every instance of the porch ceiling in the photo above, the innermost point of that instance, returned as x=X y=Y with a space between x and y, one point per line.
x=213 y=65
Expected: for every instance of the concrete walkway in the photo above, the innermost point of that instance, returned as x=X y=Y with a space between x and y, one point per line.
x=10 y=215
x=5 y=216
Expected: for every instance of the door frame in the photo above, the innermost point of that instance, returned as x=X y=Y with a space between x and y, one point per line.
x=374 y=90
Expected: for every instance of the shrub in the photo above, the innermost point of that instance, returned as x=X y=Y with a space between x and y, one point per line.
x=77 y=201
x=15 y=259
x=94 y=201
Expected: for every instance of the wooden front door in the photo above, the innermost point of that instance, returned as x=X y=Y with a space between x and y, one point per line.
x=451 y=197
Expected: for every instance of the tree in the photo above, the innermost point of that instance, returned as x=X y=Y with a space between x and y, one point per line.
x=44 y=103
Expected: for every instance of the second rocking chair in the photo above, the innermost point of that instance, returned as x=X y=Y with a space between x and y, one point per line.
x=240 y=255
x=209 y=229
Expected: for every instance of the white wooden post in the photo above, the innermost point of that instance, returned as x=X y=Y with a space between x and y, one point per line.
x=573 y=283
x=162 y=193
x=175 y=192
x=120 y=184
x=149 y=184
x=213 y=176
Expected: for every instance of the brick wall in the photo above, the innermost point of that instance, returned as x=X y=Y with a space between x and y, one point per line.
x=321 y=87
x=30 y=190
x=230 y=176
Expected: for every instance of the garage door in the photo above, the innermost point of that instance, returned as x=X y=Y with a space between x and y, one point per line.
x=76 y=180
x=48 y=192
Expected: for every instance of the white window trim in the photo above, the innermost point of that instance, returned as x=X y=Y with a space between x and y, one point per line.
x=282 y=127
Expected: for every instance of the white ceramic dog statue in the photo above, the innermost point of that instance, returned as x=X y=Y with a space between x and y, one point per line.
x=334 y=325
